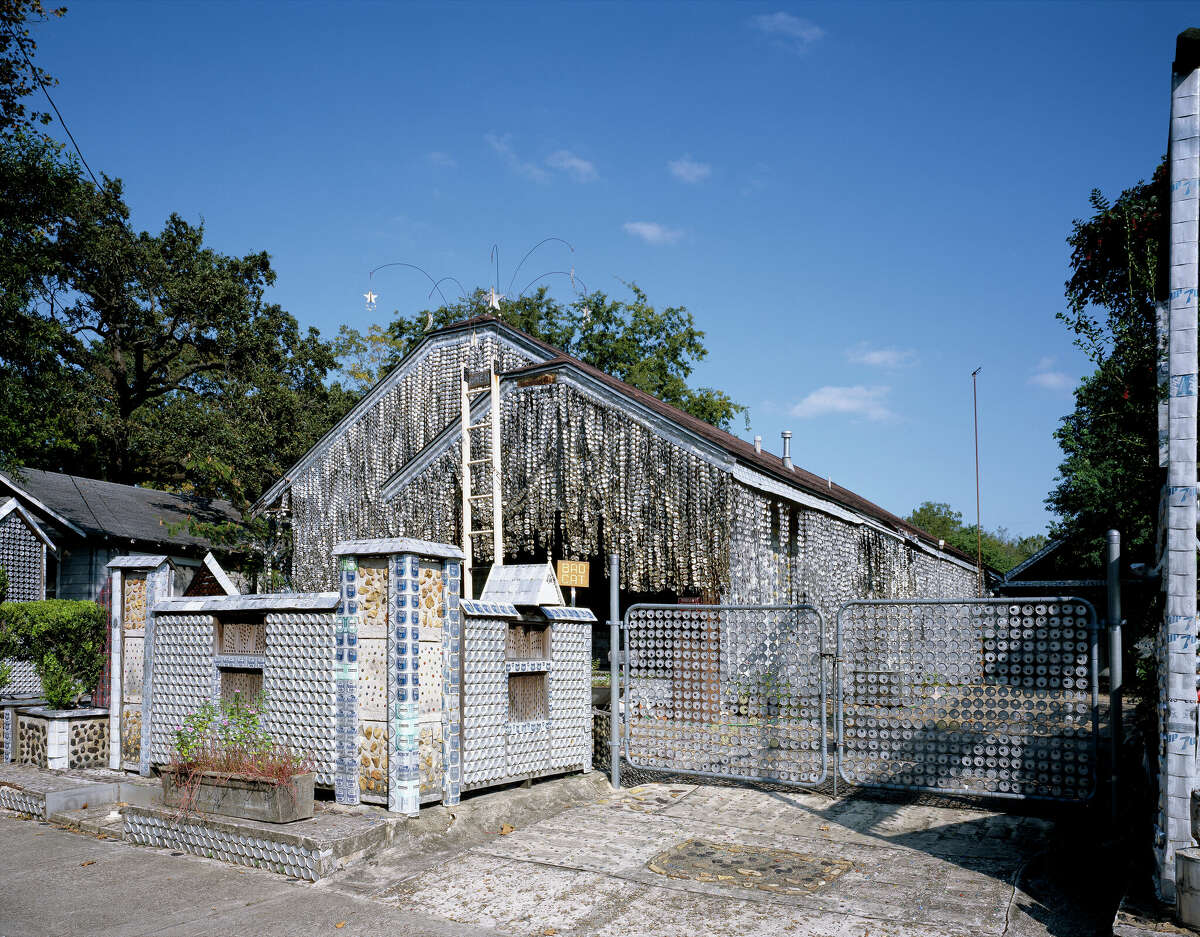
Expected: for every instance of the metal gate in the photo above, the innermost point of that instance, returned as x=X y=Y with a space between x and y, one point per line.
x=730 y=691
x=987 y=696
x=980 y=696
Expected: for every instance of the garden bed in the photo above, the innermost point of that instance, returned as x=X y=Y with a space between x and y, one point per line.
x=248 y=798
x=61 y=739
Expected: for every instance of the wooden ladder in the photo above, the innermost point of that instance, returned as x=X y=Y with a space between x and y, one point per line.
x=487 y=486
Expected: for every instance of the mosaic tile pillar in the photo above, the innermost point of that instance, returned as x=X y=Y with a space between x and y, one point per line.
x=345 y=778
x=404 y=771
x=451 y=686
x=158 y=587
x=116 y=696
x=1177 y=654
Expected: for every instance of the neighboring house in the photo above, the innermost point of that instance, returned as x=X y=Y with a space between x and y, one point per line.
x=1055 y=570
x=92 y=521
x=592 y=465
x=25 y=552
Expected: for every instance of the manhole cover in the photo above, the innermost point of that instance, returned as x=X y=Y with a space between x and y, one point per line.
x=775 y=870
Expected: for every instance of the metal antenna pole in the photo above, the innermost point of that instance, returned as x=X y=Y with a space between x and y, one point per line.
x=978 y=528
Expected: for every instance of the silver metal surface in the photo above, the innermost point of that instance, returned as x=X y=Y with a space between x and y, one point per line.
x=731 y=691
x=1116 y=677
x=614 y=666
x=991 y=696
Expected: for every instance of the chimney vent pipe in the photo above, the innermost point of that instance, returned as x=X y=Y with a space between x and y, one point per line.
x=758 y=444
x=787 y=448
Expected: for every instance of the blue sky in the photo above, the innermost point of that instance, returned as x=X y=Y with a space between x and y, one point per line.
x=860 y=203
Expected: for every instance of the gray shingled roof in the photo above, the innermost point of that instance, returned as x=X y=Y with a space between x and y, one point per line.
x=121 y=512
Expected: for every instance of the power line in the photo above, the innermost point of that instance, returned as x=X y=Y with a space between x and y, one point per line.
x=46 y=91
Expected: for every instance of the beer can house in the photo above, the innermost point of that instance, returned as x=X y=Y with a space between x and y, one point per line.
x=488 y=437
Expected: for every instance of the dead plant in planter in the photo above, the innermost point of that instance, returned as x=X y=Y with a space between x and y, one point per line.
x=226 y=742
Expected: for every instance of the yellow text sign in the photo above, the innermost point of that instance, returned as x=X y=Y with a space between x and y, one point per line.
x=573 y=573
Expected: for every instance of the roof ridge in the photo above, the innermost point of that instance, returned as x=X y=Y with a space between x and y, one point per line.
x=727 y=439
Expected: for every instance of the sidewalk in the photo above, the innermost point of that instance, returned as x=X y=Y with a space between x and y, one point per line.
x=662 y=859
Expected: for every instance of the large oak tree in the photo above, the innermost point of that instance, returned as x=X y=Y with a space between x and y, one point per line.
x=653 y=349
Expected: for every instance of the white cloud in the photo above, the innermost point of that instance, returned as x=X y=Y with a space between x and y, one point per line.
x=791 y=32
x=503 y=147
x=652 y=232
x=565 y=161
x=438 y=158
x=882 y=357
x=1051 y=380
x=689 y=170
x=1047 y=378
x=859 y=400
x=758 y=179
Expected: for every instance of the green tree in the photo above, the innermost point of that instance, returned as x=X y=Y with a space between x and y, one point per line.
x=17 y=79
x=1001 y=550
x=654 y=350
x=39 y=392
x=937 y=519
x=139 y=357
x=1109 y=476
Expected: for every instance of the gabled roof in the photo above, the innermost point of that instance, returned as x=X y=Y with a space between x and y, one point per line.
x=13 y=506
x=794 y=481
x=1020 y=568
x=93 y=508
x=741 y=450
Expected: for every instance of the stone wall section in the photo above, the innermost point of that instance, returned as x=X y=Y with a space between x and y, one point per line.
x=87 y=743
x=32 y=743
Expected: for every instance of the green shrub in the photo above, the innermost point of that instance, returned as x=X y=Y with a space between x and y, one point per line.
x=61 y=689
x=64 y=640
x=3 y=583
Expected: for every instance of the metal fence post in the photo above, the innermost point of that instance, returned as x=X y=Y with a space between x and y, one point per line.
x=1115 y=674
x=614 y=658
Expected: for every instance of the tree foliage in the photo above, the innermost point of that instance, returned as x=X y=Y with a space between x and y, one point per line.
x=1001 y=550
x=1109 y=476
x=64 y=640
x=654 y=350
x=17 y=80
x=144 y=357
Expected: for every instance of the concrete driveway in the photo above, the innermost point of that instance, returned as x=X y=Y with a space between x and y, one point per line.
x=661 y=859
x=691 y=859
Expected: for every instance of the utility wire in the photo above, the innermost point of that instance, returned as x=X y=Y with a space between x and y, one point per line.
x=46 y=91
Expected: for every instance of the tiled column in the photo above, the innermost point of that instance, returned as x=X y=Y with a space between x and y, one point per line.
x=451 y=687
x=159 y=585
x=1177 y=657
x=345 y=779
x=116 y=694
x=404 y=768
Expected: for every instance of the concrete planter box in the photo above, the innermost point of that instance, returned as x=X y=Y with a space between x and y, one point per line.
x=60 y=739
x=8 y=708
x=243 y=797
